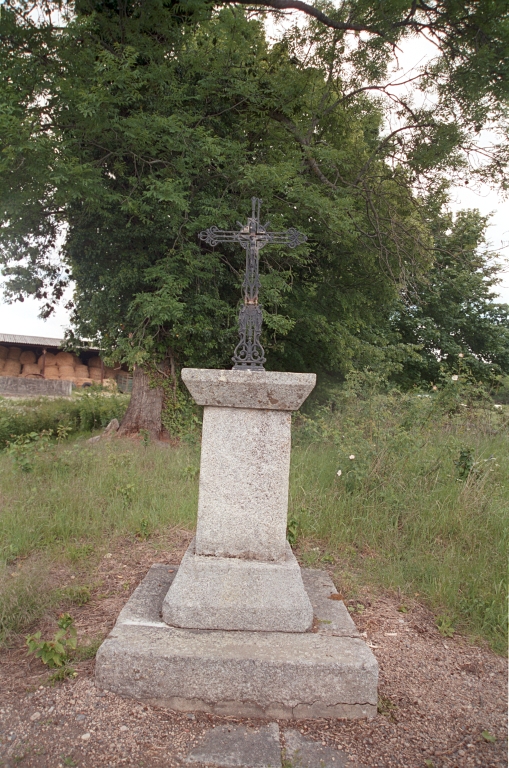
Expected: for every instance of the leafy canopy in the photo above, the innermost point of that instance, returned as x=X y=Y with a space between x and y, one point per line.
x=128 y=128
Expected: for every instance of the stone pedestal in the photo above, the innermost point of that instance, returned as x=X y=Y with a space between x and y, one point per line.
x=231 y=630
x=240 y=573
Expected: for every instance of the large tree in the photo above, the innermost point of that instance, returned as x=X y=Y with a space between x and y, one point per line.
x=451 y=314
x=129 y=127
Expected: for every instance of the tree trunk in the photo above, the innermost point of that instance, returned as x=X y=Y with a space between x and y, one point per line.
x=144 y=410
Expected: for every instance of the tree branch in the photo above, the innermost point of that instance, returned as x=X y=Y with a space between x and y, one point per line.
x=298 y=5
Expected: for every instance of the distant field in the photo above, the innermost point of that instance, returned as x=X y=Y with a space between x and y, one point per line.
x=422 y=507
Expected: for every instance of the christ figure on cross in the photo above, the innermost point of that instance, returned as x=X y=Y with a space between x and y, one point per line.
x=253 y=236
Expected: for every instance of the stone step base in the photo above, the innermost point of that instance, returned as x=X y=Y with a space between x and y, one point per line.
x=326 y=673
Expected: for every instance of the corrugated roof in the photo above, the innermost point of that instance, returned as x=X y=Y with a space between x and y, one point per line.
x=37 y=341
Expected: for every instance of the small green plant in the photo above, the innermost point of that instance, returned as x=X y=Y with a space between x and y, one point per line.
x=68 y=761
x=387 y=708
x=357 y=608
x=77 y=594
x=445 y=626
x=86 y=652
x=24 y=449
x=120 y=460
x=465 y=462
x=487 y=736
x=61 y=674
x=143 y=531
x=145 y=437
x=292 y=530
x=126 y=493
x=55 y=653
x=78 y=552
x=191 y=472
x=63 y=432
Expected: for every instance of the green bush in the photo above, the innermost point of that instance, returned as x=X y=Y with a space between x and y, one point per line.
x=83 y=412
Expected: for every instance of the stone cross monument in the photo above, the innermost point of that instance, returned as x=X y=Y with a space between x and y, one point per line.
x=239 y=629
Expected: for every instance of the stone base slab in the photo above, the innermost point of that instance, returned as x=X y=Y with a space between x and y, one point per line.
x=234 y=594
x=326 y=673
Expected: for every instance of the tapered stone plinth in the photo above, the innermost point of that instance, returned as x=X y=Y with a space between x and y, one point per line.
x=232 y=593
x=240 y=573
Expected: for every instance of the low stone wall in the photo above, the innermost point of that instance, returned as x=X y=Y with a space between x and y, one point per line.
x=17 y=386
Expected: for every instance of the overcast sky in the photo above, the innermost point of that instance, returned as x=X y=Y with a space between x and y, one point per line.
x=22 y=318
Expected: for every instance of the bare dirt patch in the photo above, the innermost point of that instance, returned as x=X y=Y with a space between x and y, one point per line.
x=442 y=701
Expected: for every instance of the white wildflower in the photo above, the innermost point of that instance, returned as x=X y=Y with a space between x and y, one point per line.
x=339 y=473
x=352 y=456
x=461 y=354
x=455 y=377
x=497 y=406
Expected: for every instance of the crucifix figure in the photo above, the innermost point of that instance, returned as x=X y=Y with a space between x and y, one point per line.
x=249 y=353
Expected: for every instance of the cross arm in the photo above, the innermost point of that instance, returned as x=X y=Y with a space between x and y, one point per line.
x=213 y=236
x=291 y=237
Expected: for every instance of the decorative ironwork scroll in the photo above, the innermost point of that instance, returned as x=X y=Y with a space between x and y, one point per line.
x=253 y=236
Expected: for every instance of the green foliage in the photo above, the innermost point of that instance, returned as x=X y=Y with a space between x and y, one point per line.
x=450 y=314
x=445 y=626
x=144 y=530
x=126 y=493
x=292 y=530
x=88 y=651
x=126 y=132
x=73 y=519
x=27 y=420
x=145 y=437
x=55 y=652
x=61 y=674
x=78 y=594
x=465 y=462
x=25 y=595
x=387 y=708
x=24 y=449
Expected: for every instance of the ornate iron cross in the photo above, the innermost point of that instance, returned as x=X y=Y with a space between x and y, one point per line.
x=253 y=236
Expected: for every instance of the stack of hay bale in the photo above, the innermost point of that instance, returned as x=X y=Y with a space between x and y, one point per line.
x=62 y=365
x=10 y=363
x=94 y=370
x=28 y=361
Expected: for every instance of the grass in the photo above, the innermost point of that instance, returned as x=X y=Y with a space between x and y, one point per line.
x=422 y=508
x=409 y=512
x=73 y=503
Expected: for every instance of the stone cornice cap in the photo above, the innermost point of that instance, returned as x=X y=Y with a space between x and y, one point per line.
x=269 y=390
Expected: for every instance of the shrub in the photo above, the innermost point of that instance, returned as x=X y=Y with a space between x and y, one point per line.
x=83 y=412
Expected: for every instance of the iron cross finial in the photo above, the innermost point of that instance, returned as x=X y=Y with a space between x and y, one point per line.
x=253 y=236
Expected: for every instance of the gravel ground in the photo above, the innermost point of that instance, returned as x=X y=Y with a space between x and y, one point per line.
x=437 y=696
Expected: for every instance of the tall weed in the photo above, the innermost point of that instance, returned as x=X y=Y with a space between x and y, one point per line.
x=404 y=491
x=412 y=491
